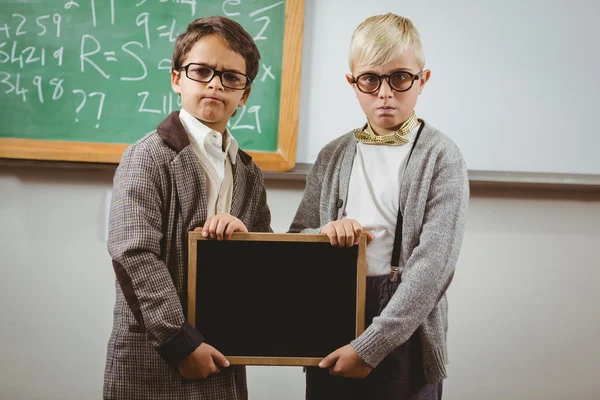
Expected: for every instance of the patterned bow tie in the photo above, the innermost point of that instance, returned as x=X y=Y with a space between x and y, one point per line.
x=395 y=138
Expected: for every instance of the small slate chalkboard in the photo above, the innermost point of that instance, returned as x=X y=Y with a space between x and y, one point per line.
x=276 y=299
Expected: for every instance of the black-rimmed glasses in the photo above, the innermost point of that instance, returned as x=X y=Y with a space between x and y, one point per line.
x=229 y=79
x=400 y=81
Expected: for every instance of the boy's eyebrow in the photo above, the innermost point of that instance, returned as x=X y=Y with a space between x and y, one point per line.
x=368 y=71
x=401 y=69
x=213 y=66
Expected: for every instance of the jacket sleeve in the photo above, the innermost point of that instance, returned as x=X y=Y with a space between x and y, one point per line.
x=428 y=268
x=134 y=243
x=262 y=218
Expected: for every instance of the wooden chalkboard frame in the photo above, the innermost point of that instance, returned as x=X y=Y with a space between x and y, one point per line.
x=283 y=159
x=194 y=237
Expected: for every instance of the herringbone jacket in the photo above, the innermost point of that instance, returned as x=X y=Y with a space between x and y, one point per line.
x=159 y=196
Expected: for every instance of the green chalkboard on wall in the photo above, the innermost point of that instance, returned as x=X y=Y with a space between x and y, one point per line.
x=82 y=79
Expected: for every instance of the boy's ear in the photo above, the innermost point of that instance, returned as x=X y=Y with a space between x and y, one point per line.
x=175 y=77
x=424 y=78
x=245 y=96
x=349 y=78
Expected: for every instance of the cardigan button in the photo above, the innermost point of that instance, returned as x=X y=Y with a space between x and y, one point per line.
x=340 y=203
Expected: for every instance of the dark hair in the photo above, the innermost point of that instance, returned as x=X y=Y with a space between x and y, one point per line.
x=234 y=35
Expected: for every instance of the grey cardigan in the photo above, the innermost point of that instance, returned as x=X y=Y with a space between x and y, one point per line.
x=433 y=201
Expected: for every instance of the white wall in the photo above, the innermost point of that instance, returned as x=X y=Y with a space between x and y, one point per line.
x=523 y=309
x=514 y=83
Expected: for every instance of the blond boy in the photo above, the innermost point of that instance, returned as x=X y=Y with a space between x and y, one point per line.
x=403 y=184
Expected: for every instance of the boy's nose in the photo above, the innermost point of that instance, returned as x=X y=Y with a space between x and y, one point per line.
x=385 y=90
x=215 y=83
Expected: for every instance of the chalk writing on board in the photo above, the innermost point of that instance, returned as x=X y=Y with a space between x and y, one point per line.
x=54 y=67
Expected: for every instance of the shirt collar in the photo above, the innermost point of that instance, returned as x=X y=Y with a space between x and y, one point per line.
x=207 y=138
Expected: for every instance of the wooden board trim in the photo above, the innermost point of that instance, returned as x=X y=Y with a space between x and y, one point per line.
x=283 y=159
x=268 y=237
x=55 y=150
x=287 y=361
x=191 y=284
x=361 y=285
x=290 y=92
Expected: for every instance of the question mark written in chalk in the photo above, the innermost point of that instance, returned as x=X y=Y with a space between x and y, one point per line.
x=83 y=100
x=102 y=96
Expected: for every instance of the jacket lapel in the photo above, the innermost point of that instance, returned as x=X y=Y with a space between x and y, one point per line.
x=191 y=188
x=186 y=172
x=241 y=175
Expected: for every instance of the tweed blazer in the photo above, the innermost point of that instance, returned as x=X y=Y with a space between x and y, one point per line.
x=159 y=196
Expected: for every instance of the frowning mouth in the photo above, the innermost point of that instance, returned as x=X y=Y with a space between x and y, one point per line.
x=209 y=98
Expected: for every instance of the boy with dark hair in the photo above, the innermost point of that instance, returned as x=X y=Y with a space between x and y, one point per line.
x=187 y=174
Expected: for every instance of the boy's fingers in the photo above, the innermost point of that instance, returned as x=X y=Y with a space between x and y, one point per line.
x=219 y=358
x=341 y=234
x=214 y=369
x=358 y=230
x=232 y=227
x=333 y=238
x=221 y=227
x=335 y=369
x=349 y=234
x=369 y=236
x=212 y=228
x=235 y=226
x=330 y=232
x=329 y=360
x=205 y=227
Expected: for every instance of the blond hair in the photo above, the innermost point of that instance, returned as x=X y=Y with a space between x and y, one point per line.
x=381 y=38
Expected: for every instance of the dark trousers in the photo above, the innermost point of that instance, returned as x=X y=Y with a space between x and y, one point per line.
x=399 y=376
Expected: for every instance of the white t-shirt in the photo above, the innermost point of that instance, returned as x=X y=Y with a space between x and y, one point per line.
x=374 y=197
